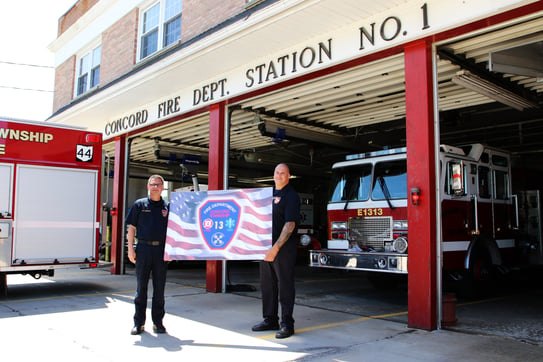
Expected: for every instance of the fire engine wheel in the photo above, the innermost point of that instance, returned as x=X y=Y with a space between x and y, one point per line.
x=481 y=277
x=481 y=271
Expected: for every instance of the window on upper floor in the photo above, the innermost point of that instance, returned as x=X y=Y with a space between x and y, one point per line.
x=88 y=71
x=160 y=26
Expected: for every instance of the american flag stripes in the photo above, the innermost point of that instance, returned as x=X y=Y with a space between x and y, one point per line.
x=219 y=225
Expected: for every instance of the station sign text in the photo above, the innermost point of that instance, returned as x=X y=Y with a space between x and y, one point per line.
x=369 y=36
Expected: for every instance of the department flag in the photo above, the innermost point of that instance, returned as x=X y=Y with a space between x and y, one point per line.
x=219 y=225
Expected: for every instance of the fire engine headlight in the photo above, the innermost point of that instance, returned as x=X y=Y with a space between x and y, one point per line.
x=323 y=259
x=399 y=245
x=305 y=240
x=339 y=225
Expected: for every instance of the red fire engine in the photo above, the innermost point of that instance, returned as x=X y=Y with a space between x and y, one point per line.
x=49 y=204
x=367 y=213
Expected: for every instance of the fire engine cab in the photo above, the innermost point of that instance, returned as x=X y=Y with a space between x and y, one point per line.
x=367 y=212
x=49 y=203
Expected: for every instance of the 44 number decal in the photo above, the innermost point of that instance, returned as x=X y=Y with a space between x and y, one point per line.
x=84 y=153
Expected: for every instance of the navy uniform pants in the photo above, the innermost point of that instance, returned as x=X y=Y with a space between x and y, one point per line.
x=150 y=263
x=277 y=283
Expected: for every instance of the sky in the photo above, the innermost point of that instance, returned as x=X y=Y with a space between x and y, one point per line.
x=26 y=65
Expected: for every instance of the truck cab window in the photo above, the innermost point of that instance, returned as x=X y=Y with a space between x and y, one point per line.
x=498 y=160
x=484 y=182
x=501 y=182
x=352 y=183
x=394 y=177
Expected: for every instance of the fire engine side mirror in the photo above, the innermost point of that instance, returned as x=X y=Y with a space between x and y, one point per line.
x=456 y=180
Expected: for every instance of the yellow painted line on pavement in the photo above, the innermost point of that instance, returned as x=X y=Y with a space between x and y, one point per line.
x=337 y=324
x=382 y=316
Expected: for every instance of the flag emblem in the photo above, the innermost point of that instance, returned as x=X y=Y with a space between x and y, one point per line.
x=220 y=220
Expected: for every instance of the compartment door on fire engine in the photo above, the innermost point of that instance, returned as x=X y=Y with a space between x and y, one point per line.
x=6 y=185
x=6 y=197
x=55 y=215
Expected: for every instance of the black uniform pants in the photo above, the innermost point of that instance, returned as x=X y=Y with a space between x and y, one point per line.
x=150 y=262
x=277 y=283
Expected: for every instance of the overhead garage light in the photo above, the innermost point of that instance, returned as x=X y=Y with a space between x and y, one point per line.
x=524 y=60
x=491 y=90
x=283 y=131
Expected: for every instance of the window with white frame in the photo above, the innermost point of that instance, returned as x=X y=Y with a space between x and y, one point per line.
x=88 y=71
x=160 y=26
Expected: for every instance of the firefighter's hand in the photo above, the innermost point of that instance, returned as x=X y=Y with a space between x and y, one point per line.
x=132 y=255
x=270 y=254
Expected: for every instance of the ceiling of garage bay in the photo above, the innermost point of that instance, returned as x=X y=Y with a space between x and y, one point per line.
x=361 y=109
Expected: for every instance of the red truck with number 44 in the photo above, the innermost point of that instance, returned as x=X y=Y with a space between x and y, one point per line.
x=50 y=203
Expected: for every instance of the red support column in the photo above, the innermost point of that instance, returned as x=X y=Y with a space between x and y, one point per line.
x=215 y=182
x=117 y=210
x=422 y=304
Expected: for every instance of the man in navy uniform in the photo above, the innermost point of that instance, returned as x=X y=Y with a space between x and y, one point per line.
x=148 y=220
x=277 y=268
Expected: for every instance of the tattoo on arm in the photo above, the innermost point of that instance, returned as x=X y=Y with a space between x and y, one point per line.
x=288 y=228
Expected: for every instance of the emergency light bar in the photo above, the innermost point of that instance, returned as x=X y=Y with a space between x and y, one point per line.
x=393 y=151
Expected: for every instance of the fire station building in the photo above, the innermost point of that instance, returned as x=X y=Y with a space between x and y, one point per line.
x=222 y=91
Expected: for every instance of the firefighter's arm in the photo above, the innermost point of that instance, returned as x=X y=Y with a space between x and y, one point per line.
x=130 y=236
x=288 y=228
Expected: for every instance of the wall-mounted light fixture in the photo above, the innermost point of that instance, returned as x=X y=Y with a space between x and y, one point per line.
x=415 y=196
x=482 y=86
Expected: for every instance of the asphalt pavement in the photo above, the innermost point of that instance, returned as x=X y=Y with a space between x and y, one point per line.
x=86 y=315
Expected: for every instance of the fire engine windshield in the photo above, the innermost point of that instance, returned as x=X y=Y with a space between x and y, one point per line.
x=390 y=180
x=351 y=183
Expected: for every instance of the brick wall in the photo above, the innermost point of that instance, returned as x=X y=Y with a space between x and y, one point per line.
x=119 y=44
x=64 y=83
x=72 y=15
x=196 y=15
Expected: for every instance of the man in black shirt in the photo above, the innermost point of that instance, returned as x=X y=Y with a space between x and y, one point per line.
x=148 y=220
x=277 y=268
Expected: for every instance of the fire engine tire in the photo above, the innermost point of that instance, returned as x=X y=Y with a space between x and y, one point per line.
x=481 y=278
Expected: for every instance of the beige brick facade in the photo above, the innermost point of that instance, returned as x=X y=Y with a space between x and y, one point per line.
x=64 y=83
x=72 y=15
x=196 y=17
x=119 y=44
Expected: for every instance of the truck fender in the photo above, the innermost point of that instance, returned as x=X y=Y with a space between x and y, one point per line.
x=485 y=245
